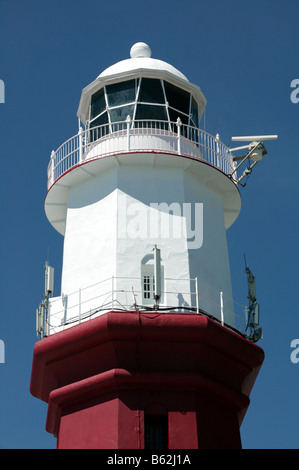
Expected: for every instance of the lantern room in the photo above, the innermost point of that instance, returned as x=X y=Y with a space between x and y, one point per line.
x=143 y=89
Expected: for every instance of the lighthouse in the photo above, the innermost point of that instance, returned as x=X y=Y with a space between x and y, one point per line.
x=144 y=347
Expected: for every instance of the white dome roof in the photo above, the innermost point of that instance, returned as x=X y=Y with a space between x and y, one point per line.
x=141 y=59
x=140 y=64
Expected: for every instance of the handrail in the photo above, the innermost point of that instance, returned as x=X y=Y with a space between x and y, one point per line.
x=78 y=306
x=131 y=136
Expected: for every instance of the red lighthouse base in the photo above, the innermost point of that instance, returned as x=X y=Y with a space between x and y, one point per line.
x=131 y=380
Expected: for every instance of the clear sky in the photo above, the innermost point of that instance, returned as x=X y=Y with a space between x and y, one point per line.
x=244 y=56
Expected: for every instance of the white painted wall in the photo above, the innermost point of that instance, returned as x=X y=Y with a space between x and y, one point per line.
x=103 y=238
x=90 y=236
x=210 y=264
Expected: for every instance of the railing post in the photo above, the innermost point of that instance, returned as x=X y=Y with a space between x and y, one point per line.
x=79 y=304
x=52 y=166
x=128 y=120
x=196 y=293
x=112 y=292
x=80 y=133
x=179 y=123
x=218 y=149
x=221 y=308
x=64 y=300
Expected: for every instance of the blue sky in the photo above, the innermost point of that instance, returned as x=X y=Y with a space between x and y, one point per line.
x=244 y=56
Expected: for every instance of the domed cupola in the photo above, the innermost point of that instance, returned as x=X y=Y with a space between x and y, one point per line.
x=144 y=89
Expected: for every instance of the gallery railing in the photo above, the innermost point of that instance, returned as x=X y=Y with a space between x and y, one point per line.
x=125 y=294
x=137 y=136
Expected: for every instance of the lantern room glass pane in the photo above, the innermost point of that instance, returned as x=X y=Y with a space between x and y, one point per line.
x=174 y=115
x=98 y=104
x=177 y=98
x=103 y=119
x=121 y=93
x=121 y=113
x=145 y=111
x=194 y=112
x=151 y=91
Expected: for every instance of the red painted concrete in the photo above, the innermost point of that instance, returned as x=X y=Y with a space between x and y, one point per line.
x=100 y=378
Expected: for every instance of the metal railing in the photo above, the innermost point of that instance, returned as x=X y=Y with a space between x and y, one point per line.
x=138 y=136
x=113 y=294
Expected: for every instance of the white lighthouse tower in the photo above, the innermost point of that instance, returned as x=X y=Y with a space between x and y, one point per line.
x=143 y=347
x=141 y=174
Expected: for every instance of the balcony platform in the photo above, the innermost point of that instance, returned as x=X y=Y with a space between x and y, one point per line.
x=202 y=155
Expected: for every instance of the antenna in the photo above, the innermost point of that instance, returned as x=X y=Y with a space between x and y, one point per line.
x=253 y=309
x=42 y=310
x=256 y=152
x=251 y=283
x=49 y=279
x=254 y=138
x=40 y=315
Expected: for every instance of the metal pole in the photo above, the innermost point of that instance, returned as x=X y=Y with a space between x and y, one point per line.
x=217 y=150
x=80 y=144
x=128 y=132
x=157 y=275
x=79 y=304
x=221 y=308
x=112 y=292
x=196 y=293
x=179 y=123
